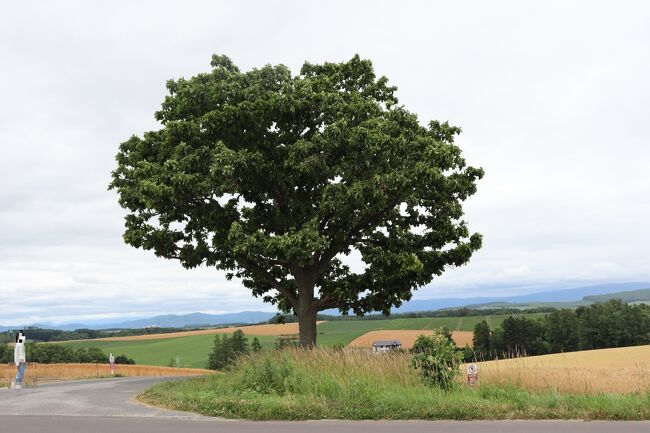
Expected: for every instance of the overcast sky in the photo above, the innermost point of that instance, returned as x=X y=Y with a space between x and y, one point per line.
x=553 y=99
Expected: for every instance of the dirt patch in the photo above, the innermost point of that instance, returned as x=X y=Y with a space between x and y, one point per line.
x=407 y=337
x=273 y=330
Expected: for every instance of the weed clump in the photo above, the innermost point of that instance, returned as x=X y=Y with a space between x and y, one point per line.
x=436 y=359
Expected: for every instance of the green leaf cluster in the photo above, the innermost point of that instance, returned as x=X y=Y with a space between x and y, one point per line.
x=436 y=359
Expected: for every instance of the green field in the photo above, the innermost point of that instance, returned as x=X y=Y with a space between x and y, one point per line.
x=344 y=331
x=193 y=350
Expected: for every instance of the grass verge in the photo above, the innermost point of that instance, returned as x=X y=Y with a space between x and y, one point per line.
x=325 y=383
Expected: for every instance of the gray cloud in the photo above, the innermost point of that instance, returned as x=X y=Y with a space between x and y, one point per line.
x=552 y=97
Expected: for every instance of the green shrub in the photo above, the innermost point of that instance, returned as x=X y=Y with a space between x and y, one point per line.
x=5 y=354
x=436 y=359
x=226 y=350
x=256 y=345
x=123 y=359
x=285 y=343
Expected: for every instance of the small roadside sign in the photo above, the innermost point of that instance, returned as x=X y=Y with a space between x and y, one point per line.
x=472 y=374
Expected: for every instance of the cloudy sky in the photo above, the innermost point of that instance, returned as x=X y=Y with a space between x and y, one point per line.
x=553 y=99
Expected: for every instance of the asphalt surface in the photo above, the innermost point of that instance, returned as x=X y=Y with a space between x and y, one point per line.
x=108 y=406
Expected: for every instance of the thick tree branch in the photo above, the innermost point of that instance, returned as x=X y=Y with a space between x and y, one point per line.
x=270 y=280
x=326 y=302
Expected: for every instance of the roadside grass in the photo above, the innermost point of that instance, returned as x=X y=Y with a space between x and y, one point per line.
x=351 y=384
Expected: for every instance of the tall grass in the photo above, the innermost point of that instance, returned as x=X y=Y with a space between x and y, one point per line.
x=354 y=384
x=49 y=372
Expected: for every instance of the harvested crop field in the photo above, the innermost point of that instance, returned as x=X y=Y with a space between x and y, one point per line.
x=51 y=372
x=268 y=330
x=620 y=370
x=634 y=356
x=407 y=337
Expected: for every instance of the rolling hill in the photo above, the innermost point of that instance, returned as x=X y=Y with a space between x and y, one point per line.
x=640 y=295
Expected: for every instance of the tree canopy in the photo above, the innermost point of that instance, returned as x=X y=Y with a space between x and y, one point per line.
x=275 y=177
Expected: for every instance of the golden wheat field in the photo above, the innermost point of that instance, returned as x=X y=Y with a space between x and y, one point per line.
x=272 y=330
x=407 y=337
x=620 y=370
x=50 y=372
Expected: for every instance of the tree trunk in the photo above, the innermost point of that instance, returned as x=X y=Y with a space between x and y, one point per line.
x=307 y=327
x=306 y=311
x=305 y=307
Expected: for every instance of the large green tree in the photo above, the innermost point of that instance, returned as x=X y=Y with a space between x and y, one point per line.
x=483 y=341
x=562 y=330
x=274 y=177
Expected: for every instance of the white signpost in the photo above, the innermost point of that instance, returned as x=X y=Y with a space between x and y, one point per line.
x=472 y=374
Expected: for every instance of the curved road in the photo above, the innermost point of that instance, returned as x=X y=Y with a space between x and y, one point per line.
x=108 y=406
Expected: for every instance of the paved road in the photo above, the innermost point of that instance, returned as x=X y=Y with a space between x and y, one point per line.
x=107 y=406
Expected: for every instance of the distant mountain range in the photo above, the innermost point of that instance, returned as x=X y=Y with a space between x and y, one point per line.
x=165 y=321
x=628 y=292
x=553 y=296
x=197 y=319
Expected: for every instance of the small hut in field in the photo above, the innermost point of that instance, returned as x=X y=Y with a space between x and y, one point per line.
x=385 y=345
